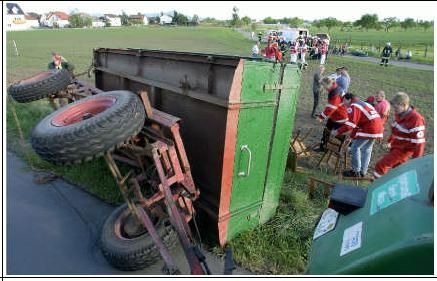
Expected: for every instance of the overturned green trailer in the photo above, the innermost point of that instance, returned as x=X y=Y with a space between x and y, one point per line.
x=237 y=115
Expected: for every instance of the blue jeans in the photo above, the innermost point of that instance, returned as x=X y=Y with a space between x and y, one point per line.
x=361 y=153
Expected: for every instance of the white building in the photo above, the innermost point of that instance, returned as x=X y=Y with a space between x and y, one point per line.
x=15 y=18
x=113 y=20
x=98 y=22
x=55 y=19
x=31 y=21
x=165 y=19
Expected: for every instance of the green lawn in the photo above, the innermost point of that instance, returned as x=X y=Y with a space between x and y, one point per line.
x=281 y=245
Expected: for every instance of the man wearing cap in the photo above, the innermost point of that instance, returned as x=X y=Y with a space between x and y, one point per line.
x=386 y=54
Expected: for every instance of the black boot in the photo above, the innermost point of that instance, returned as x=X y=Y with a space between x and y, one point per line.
x=351 y=174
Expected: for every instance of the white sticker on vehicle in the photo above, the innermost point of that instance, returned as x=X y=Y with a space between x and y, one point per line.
x=351 y=239
x=327 y=222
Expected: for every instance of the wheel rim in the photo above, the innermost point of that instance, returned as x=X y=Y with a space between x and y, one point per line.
x=127 y=226
x=37 y=77
x=82 y=111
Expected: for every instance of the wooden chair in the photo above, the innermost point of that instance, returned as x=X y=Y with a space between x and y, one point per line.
x=312 y=187
x=336 y=147
x=298 y=149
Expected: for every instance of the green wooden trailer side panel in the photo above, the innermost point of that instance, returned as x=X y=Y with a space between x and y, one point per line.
x=287 y=101
x=264 y=130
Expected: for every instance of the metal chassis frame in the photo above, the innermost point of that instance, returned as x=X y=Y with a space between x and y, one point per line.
x=176 y=188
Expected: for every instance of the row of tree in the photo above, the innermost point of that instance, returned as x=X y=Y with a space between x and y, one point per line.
x=367 y=21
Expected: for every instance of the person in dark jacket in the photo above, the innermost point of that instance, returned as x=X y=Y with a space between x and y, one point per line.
x=386 y=54
x=59 y=62
x=316 y=88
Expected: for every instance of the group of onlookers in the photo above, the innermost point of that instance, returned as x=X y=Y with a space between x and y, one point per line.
x=278 y=46
x=363 y=121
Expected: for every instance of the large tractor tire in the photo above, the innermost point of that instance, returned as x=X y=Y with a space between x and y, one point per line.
x=88 y=128
x=126 y=245
x=42 y=85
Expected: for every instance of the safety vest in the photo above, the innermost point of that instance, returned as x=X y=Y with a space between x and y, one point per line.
x=335 y=109
x=364 y=121
x=408 y=131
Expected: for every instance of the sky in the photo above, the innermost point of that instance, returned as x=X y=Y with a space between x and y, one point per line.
x=344 y=11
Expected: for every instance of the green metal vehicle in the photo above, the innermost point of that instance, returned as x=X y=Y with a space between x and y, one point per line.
x=393 y=233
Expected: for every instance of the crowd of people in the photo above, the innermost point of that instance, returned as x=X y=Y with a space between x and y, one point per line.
x=278 y=46
x=362 y=122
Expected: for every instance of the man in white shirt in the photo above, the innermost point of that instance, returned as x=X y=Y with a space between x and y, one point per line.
x=255 y=50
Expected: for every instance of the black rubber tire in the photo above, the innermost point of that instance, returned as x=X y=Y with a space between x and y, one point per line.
x=35 y=88
x=136 y=253
x=89 y=138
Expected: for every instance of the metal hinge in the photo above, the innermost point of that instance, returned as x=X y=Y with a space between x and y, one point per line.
x=272 y=87
x=276 y=87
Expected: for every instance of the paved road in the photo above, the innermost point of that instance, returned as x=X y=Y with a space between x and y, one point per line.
x=53 y=229
x=412 y=65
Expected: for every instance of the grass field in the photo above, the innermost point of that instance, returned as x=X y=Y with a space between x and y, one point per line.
x=281 y=245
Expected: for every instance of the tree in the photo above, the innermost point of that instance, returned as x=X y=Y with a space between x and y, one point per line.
x=180 y=19
x=367 y=21
x=346 y=26
x=330 y=22
x=295 y=22
x=269 y=20
x=80 y=20
x=317 y=23
x=195 y=20
x=246 y=20
x=235 y=22
x=253 y=26
x=408 y=23
x=388 y=23
x=124 y=18
x=426 y=24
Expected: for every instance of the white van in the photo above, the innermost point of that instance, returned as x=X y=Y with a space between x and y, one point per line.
x=291 y=34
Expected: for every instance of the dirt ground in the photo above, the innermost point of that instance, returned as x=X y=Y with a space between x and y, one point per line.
x=308 y=125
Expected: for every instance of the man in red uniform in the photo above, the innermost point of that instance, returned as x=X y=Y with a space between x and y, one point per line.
x=407 y=138
x=323 y=49
x=334 y=111
x=366 y=126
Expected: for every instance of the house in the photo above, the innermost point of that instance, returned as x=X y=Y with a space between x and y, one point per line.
x=15 y=17
x=98 y=22
x=152 y=18
x=55 y=19
x=138 y=19
x=113 y=20
x=32 y=20
x=165 y=19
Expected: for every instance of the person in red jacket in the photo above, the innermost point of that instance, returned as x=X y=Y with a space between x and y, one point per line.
x=407 y=138
x=335 y=111
x=365 y=126
x=270 y=52
x=323 y=50
x=293 y=52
